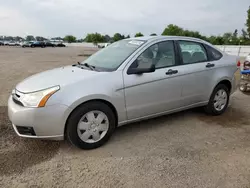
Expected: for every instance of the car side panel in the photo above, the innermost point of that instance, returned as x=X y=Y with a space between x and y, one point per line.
x=200 y=83
x=108 y=88
x=151 y=93
x=225 y=69
x=196 y=84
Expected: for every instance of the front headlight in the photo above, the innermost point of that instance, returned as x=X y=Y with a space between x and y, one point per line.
x=38 y=98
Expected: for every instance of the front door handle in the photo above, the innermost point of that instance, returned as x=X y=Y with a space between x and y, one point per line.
x=170 y=72
x=209 y=65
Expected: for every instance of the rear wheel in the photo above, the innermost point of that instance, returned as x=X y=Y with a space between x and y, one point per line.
x=218 y=101
x=91 y=125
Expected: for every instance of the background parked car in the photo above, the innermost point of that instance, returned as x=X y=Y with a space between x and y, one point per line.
x=49 y=44
x=26 y=44
x=1 y=43
x=6 y=43
x=103 y=45
x=60 y=45
x=12 y=43
x=18 y=43
x=38 y=44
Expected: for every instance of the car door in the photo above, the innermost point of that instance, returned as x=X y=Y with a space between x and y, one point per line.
x=156 y=92
x=197 y=73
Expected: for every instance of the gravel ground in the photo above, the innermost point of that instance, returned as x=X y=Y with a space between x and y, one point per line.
x=187 y=149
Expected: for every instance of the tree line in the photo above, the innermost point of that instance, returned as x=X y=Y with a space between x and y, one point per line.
x=229 y=38
x=27 y=38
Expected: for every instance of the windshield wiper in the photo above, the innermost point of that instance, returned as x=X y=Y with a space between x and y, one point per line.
x=87 y=65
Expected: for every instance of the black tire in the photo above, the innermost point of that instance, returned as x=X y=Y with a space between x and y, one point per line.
x=210 y=109
x=72 y=123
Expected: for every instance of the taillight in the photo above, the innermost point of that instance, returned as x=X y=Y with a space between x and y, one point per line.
x=246 y=65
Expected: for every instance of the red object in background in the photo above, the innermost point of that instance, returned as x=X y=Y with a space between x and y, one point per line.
x=238 y=64
x=246 y=65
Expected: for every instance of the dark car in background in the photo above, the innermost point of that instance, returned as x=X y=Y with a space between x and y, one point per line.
x=1 y=43
x=49 y=44
x=38 y=44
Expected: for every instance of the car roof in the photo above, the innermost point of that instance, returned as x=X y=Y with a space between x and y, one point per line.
x=159 y=38
x=155 y=38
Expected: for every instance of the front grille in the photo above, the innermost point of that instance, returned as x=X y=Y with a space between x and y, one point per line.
x=26 y=130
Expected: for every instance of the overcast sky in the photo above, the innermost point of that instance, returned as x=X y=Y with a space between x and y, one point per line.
x=79 y=17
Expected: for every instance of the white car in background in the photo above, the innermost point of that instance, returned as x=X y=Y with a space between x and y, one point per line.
x=103 y=45
x=12 y=43
x=26 y=44
x=106 y=44
x=6 y=43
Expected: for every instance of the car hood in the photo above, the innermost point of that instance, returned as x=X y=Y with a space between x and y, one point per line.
x=59 y=76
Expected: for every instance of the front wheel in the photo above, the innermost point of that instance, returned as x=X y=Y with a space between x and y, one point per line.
x=219 y=99
x=91 y=125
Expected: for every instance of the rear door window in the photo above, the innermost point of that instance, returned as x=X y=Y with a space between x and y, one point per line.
x=192 y=52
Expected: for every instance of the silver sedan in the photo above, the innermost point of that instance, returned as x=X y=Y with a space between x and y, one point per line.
x=128 y=81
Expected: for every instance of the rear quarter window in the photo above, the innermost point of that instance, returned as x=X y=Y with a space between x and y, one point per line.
x=213 y=53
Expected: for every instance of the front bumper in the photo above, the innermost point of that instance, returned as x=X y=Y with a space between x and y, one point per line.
x=47 y=122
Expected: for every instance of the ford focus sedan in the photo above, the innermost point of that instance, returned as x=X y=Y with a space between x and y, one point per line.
x=130 y=80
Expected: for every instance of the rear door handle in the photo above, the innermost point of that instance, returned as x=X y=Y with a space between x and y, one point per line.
x=209 y=65
x=170 y=72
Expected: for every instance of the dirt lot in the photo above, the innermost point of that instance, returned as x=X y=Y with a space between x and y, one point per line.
x=187 y=149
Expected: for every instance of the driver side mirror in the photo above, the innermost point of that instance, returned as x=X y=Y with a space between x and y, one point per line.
x=141 y=70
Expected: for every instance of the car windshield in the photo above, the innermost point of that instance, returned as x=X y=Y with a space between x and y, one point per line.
x=111 y=57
